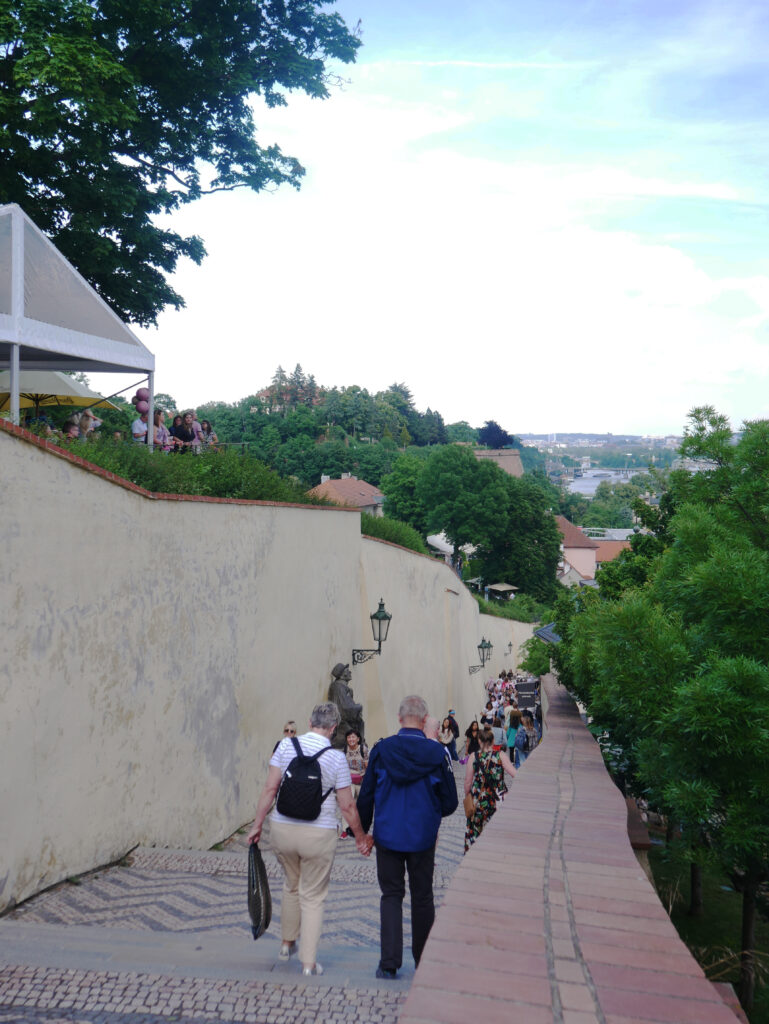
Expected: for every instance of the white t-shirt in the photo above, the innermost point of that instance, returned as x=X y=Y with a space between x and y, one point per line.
x=334 y=773
x=139 y=430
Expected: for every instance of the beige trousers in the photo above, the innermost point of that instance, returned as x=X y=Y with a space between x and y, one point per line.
x=306 y=854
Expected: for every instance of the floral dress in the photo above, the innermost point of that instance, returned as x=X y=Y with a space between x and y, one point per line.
x=488 y=786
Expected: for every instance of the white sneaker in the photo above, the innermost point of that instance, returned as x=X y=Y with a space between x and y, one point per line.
x=316 y=969
x=286 y=949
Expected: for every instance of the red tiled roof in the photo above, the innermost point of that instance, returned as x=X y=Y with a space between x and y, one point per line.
x=356 y=493
x=572 y=536
x=609 y=549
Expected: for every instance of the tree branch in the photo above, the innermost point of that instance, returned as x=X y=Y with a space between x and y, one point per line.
x=160 y=167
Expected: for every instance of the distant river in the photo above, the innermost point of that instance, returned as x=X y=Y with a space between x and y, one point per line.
x=588 y=483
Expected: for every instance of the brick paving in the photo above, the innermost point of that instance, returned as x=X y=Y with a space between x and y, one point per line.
x=575 y=933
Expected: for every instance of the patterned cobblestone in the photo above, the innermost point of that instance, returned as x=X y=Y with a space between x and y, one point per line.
x=196 y=892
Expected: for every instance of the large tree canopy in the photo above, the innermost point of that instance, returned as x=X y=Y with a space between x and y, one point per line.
x=522 y=546
x=461 y=496
x=115 y=111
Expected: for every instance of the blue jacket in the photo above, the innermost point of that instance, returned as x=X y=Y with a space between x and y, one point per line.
x=410 y=786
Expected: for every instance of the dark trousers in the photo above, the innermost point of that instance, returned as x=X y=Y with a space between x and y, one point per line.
x=453 y=750
x=391 y=866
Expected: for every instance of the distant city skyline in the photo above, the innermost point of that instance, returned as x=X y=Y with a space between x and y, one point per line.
x=550 y=215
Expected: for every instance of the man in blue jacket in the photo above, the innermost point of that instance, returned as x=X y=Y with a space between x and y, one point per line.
x=408 y=787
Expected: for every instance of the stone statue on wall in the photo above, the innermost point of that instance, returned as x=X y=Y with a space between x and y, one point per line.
x=340 y=692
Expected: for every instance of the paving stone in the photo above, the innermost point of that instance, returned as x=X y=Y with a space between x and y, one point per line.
x=185 y=901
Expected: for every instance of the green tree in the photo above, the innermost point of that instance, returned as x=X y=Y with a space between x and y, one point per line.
x=400 y=490
x=717 y=763
x=165 y=402
x=523 y=545
x=114 y=112
x=268 y=444
x=332 y=458
x=297 y=458
x=371 y=462
x=463 y=498
x=461 y=431
x=297 y=383
x=537 y=656
x=674 y=668
x=310 y=390
x=399 y=397
x=279 y=390
x=493 y=436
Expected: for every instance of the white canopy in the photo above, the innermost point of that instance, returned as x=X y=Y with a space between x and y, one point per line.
x=50 y=317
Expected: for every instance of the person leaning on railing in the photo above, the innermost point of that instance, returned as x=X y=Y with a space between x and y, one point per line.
x=208 y=438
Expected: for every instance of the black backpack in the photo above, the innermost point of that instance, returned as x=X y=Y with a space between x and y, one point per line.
x=301 y=792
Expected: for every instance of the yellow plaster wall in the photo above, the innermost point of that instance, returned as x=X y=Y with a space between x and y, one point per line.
x=154 y=648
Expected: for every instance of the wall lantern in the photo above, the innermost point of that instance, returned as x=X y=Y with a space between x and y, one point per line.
x=485 y=647
x=380 y=625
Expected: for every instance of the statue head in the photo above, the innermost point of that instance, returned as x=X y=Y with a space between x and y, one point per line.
x=341 y=671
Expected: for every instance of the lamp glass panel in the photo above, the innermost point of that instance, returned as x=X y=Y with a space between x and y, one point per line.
x=380 y=623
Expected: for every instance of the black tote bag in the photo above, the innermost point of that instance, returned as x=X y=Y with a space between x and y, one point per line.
x=259 y=899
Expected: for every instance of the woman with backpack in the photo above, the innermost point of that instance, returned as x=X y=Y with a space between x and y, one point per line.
x=484 y=782
x=304 y=772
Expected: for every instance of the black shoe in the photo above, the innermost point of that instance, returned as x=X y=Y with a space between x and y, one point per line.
x=386 y=972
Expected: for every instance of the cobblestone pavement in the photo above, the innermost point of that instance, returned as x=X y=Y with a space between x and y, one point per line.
x=165 y=936
x=34 y=995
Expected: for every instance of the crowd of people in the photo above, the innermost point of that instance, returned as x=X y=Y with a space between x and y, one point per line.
x=497 y=742
x=405 y=785
x=185 y=434
x=179 y=432
x=77 y=427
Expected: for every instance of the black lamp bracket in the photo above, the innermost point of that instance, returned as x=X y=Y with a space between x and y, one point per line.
x=358 y=656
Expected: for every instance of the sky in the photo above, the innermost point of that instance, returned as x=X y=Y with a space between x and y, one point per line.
x=549 y=214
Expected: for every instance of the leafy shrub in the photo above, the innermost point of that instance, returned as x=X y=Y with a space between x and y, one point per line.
x=393 y=530
x=522 y=609
x=218 y=474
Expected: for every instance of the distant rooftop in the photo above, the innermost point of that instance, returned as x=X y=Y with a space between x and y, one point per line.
x=349 y=491
x=572 y=536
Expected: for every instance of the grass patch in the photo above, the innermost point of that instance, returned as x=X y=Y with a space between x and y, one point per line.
x=714 y=938
x=218 y=474
x=523 y=608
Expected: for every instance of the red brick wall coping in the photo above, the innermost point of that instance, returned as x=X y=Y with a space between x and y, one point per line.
x=550 y=919
x=69 y=454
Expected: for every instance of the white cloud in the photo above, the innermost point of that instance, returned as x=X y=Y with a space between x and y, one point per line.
x=480 y=281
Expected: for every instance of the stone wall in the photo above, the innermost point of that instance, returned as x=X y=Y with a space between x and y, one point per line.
x=154 y=646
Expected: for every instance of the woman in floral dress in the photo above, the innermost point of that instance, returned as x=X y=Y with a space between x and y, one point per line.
x=485 y=781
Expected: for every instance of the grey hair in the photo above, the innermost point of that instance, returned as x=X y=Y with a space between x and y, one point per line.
x=324 y=716
x=412 y=707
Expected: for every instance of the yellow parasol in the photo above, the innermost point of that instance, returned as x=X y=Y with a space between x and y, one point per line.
x=49 y=387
